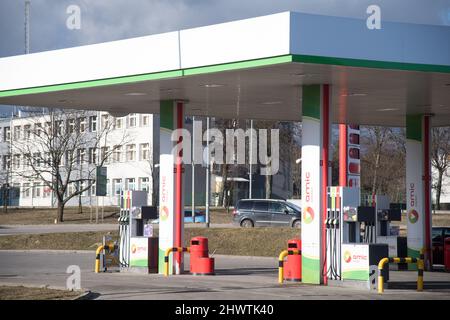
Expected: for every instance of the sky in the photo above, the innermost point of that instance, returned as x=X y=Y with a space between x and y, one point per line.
x=109 y=20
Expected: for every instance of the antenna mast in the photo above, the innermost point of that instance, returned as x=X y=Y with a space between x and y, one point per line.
x=27 y=27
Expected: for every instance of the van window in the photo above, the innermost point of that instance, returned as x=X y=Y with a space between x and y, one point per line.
x=261 y=206
x=277 y=207
x=245 y=205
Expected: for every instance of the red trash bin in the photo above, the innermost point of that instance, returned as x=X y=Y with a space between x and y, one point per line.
x=447 y=254
x=200 y=263
x=292 y=268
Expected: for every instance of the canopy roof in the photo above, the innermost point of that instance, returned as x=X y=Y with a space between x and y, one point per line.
x=251 y=68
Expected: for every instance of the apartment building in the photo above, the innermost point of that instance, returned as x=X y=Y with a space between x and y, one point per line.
x=134 y=139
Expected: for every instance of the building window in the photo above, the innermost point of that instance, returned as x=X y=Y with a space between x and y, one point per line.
x=131 y=152
x=36 y=190
x=16 y=163
x=38 y=129
x=71 y=125
x=145 y=151
x=46 y=192
x=83 y=125
x=108 y=187
x=82 y=185
x=105 y=121
x=48 y=128
x=117 y=154
x=104 y=155
x=93 y=123
x=92 y=191
x=59 y=127
x=144 y=184
x=36 y=160
x=117 y=186
x=6 y=134
x=132 y=120
x=71 y=189
x=131 y=184
x=69 y=158
x=6 y=162
x=26 y=190
x=27 y=131
x=27 y=160
x=119 y=123
x=93 y=155
x=48 y=159
x=145 y=120
x=17 y=130
x=81 y=156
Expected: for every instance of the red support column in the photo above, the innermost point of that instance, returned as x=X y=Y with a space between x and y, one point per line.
x=179 y=188
x=325 y=167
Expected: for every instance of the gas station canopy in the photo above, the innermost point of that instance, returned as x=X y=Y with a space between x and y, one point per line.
x=249 y=69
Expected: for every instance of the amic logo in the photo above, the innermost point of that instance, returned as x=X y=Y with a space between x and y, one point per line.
x=133 y=248
x=308 y=215
x=164 y=213
x=413 y=216
x=347 y=256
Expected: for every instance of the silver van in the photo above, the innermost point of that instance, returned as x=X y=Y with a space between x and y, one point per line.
x=250 y=213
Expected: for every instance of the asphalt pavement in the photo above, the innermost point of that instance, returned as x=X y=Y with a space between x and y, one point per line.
x=236 y=277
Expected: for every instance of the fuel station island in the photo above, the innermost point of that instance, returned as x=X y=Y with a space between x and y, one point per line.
x=319 y=70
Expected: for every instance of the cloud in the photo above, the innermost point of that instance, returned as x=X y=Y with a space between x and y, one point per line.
x=107 y=20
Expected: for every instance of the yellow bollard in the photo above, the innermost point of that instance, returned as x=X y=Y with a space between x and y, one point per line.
x=380 y=274
x=97 y=259
x=166 y=261
x=166 y=257
x=110 y=247
x=420 y=268
x=281 y=257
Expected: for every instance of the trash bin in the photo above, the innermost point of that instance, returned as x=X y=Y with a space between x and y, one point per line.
x=292 y=270
x=447 y=254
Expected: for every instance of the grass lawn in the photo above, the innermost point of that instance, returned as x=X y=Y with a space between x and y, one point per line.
x=232 y=241
x=27 y=216
x=25 y=293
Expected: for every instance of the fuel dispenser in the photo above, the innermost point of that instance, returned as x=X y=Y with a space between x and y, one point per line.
x=200 y=262
x=352 y=255
x=292 y=267
x=397 y=246
x=138 y=247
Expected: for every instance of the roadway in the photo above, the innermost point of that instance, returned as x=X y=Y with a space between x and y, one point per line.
x=6 y=230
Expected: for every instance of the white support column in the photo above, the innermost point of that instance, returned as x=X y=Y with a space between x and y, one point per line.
x=418 y=190
x=171 y=202
x=315 y=178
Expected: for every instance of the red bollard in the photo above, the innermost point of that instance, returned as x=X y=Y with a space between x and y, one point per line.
x=447 y=254
x=292 y=268
x=200 y=263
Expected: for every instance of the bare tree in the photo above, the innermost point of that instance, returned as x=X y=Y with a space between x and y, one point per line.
x=61 y=152
x=383 y=158
x=440 y=158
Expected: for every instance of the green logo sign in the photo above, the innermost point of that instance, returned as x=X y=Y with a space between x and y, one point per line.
x=308 y=215
x=413 y=216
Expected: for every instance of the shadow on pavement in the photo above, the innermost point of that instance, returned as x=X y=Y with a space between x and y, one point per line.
x=245 y=271
x=430 y=285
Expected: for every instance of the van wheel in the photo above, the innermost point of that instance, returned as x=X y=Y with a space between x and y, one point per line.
x=246 y=223
x=297 y=224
